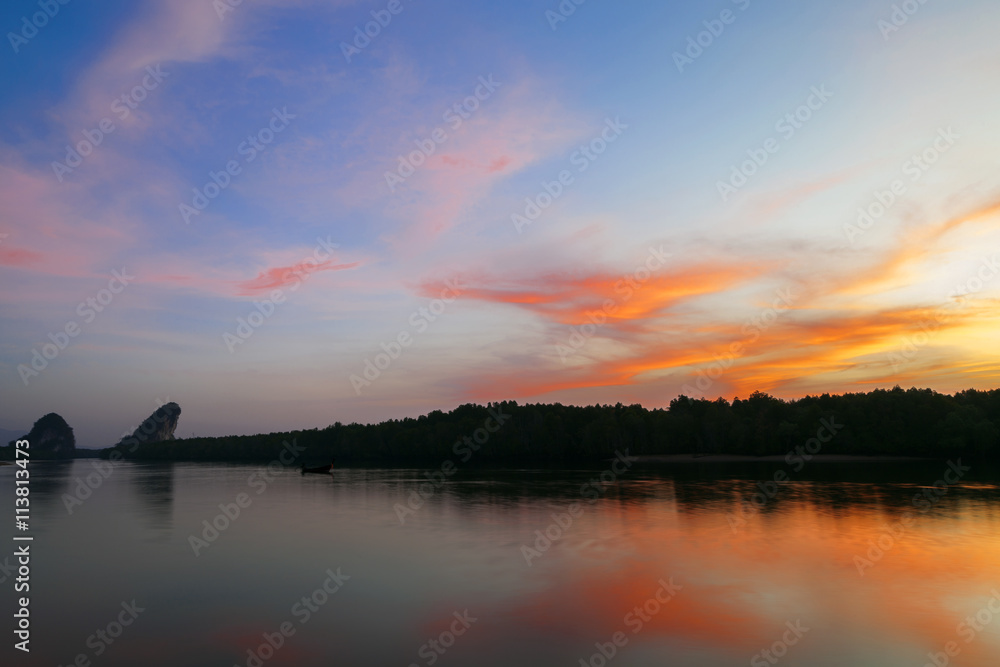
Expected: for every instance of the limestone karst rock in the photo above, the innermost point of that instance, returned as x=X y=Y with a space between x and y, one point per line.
x=51 y=437
x=158 y=427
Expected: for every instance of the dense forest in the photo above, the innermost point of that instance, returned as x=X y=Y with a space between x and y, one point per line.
x=915 y=422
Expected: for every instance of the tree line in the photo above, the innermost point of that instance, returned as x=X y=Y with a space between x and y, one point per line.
x=896 y=422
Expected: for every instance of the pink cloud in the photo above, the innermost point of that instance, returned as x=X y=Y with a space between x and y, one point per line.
x=490 y=167
x=18 y=256
x=283 y=268
x=499 y=164
x=52 y=228
x=521 y=126
x=284 y=276
x=452 y=161
x=166 y=31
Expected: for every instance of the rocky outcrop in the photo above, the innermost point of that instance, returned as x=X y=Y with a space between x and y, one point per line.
x=158 y=427
x=51 y=437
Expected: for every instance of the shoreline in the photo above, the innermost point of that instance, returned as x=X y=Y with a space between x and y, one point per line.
x=772 y=458
x=643 y=458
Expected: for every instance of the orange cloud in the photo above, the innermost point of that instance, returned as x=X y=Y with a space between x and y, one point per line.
x=631 y=296
x=916 y=245
x=821 y=340
x=801 y=343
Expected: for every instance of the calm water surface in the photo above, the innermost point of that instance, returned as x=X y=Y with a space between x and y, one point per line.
x=658 y=557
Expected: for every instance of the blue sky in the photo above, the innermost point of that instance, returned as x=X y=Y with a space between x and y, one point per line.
x=911 y=299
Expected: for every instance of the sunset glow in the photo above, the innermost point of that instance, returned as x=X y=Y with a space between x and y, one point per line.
x=551 y=210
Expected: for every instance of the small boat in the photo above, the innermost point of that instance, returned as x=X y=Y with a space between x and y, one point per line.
x=319 y=470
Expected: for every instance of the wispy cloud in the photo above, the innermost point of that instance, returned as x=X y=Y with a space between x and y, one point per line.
x=283 y=276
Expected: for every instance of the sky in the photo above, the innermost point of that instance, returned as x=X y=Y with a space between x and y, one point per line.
x=285 y=214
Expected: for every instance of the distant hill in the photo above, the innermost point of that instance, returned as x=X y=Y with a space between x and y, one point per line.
x=50 y=438
x=157 y=427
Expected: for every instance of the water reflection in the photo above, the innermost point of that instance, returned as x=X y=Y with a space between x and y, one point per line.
x=49 y=481
x=153 y=489
x=548 y=583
